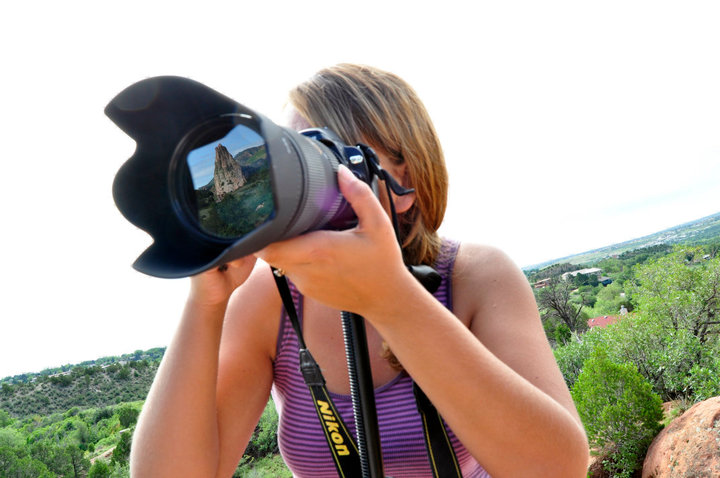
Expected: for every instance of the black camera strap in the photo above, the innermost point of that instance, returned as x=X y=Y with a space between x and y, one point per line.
x=344 y=450
x=340 y=442
x=441 y=453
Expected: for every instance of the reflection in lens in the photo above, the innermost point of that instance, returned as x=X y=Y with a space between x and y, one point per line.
x=231 y=180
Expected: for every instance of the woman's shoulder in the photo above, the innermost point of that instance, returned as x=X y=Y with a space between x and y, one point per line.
x=482 y=262
x=483 y=274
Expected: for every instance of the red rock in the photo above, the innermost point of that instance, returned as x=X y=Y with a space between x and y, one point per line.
x=689 y=446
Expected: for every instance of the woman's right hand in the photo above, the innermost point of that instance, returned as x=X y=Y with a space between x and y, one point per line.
x=214 y=287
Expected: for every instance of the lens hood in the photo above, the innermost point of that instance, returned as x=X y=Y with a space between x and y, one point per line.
x=201 y=158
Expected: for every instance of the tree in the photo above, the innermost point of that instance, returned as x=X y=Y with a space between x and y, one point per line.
x=127 y=415
x=5 y=418
x=555 y=301
x=619 y=410
x=683 y=293
x=663 y=355
x=99 y=469
x=121 y=453
x=80 y=465
x=610 y=299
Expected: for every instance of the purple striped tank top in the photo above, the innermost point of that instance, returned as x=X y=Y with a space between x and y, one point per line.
x=300 y=436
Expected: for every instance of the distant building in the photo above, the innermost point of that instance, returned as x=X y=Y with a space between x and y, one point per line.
x=604 y=280
x=542 y=283
x=601 y=321
x=592 y=270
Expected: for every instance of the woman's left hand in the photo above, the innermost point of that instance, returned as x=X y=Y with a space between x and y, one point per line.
x=355 y=270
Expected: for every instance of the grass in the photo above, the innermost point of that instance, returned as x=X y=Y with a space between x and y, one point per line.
x=271 y=466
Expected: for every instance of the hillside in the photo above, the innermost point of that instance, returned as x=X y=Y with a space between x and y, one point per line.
x=97 y=383
x=698 y=232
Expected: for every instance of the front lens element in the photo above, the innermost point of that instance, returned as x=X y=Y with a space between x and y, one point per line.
x=231 y=183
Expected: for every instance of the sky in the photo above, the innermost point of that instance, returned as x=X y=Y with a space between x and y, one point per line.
x=566 y=126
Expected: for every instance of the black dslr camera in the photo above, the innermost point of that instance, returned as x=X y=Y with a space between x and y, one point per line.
x=212 y=180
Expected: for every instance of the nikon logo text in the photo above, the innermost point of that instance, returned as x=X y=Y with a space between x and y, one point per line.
x=332 y=426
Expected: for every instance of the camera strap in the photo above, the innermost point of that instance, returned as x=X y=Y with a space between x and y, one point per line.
x=341 y=443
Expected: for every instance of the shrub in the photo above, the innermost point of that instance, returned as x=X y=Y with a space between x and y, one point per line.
x=704 y=382
x=620 y=411
x=571 y=356
x=662 y=354
x=264 y=438
x=121 y=454
x=99 y=469
x=128 y=415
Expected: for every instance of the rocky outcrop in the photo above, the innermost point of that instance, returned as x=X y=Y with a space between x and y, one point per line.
x=688 y=446
x=228 y=174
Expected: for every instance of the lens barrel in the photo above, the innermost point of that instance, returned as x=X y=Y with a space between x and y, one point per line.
x=212 y=181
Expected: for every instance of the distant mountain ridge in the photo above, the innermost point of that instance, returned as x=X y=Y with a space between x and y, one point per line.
x=699 y=231
x=150 y=355
x=103 y=382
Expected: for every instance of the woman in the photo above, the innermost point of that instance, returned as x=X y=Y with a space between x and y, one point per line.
x=478 y=350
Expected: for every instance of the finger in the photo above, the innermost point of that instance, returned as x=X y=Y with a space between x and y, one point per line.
x=302 y=249
x=367 y=207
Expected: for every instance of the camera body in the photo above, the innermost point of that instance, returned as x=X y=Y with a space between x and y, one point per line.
x=211 y=180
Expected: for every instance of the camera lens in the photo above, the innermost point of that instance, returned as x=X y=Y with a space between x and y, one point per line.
x=212 y=180
x=231 y=193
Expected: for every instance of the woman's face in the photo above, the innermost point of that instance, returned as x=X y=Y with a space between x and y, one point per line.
x=294 y=120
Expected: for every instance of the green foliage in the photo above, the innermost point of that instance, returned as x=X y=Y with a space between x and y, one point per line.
x=619 y=410
x=271 y=466
x=92 y=386
x=11 y=438
x=99 y=469
x=562 y=334
x=128 y=415
x=121 y=454
x=670 y=339
x=682 y=291
x=662 y=354
x=556 y=305
x=609 y=300
x=550 y=272
x=704 y=381
x=61 y=444
x=264 y=438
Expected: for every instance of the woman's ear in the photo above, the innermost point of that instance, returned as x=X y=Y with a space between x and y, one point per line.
x=403 y=203
x=400 y=173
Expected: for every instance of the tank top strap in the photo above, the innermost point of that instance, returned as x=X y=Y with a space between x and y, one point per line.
x=444 y=265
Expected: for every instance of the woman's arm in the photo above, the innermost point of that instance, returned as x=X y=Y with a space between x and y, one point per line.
x=496 y=384
x=186 y=428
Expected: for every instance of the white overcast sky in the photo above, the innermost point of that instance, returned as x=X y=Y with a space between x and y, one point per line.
x=567 y=125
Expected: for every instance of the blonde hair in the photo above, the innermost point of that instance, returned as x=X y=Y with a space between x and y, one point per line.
x=362 y=104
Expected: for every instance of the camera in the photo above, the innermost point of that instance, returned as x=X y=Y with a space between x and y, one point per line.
x=211 y=180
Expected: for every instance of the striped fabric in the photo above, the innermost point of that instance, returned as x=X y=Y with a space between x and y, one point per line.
x=300 y=437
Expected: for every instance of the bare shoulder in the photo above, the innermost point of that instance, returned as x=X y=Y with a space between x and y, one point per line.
x=485 y=279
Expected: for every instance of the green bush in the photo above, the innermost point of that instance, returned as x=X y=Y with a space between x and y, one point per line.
x=128 y=415
x=662 y=354
x=264 y=438
x=704 y=382
x=121 y=454
x=99 y=469
x=619 y=409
